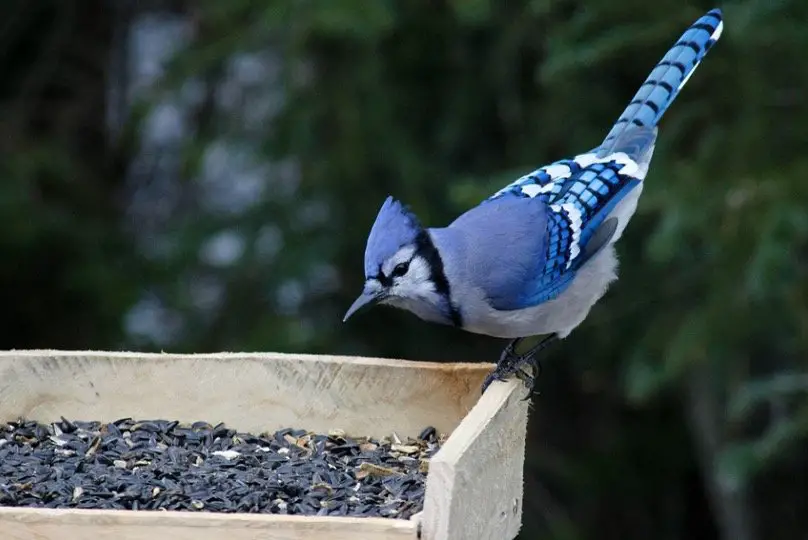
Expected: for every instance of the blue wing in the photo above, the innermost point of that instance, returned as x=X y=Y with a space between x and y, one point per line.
x=580 y=192
x=576 y=209
x=543 y=183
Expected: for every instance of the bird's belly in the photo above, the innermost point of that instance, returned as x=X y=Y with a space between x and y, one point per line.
x=559 y=316
x=511 y=324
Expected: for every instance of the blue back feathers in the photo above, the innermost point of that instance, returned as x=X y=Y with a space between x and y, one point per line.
x=395 y=226
x=582 y=191
x=501 y=249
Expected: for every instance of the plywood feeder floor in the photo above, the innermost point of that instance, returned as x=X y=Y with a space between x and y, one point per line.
x=474 y=485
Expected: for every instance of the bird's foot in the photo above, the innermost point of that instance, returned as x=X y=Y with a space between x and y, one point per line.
x=524 y=366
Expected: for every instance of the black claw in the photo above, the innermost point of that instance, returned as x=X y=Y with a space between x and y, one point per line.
x=527 y=378
x=488 y=380
x=514 y=364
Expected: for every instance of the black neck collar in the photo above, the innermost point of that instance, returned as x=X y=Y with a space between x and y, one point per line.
x=426 y=248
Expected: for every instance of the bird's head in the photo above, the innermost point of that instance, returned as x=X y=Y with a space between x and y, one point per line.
x=402 y=266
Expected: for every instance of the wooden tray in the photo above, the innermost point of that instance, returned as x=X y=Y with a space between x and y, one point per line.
x=474 y=485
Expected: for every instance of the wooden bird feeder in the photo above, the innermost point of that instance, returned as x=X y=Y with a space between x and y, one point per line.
x=474 y=484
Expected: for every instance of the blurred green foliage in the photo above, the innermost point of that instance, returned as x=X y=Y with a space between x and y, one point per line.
x=677 y=409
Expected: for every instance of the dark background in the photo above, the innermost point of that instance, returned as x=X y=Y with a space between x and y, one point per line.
x=202 y=177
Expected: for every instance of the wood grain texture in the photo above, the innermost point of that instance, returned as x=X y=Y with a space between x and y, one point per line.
x=474 y=488
x=249 y=392
x=40 y=524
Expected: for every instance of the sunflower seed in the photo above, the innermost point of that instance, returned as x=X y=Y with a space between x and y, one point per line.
x=140 y=464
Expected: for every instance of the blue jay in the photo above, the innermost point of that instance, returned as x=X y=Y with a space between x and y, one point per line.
x=533 y=258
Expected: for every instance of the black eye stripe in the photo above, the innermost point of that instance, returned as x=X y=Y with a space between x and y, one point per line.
x=400 y=269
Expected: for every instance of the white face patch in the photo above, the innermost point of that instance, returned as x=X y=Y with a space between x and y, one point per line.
x=417 y=273
x=412 y=290
x=416 y=283
x=402 y=255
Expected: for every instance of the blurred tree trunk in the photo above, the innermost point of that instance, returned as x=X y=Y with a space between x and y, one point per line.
x=63 y=285
x=731 y=507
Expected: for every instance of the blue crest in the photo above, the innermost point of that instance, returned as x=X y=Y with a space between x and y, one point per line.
x=395 y=227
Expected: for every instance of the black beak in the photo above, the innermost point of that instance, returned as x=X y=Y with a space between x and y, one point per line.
x=366 y=299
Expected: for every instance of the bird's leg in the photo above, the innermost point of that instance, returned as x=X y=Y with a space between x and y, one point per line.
x=512 y=362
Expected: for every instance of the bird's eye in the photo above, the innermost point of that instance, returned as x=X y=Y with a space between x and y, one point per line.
x=401 y=269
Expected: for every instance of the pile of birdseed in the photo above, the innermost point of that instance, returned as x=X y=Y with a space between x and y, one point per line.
x=161 y=464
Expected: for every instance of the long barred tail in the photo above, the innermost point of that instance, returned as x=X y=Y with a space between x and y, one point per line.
x=669 y=75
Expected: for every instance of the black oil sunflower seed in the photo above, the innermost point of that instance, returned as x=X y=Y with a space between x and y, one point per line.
x=139 y=465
